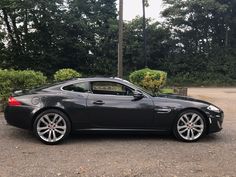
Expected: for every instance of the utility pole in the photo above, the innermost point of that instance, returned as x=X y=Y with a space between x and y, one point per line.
x=144 y=36
x=120 y=41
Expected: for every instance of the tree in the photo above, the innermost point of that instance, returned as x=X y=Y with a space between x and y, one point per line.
x=48 y=35
x=202 y=33
x=196 y=40
x=144 y=4
x=33 y=31
x=157 y=45
x=93 y=28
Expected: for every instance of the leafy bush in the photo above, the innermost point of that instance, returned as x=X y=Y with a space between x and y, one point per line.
x=11 y=80
x=65 y=74
x=149 y=79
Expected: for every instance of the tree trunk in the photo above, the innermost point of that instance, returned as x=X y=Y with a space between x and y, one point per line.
x=226 y=36
x=144 y=35
x=9 y=30
x=25 y=30
x=120 y=44
x=16 y=33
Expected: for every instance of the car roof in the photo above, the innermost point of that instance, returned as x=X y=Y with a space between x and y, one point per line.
x=100 y=79
x=90 y=79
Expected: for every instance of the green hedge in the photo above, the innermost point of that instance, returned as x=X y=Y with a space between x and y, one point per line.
x=149 y=79
x=11 y=80
x=65 y=74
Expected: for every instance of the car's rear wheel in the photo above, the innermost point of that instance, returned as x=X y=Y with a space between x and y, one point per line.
x=52 y=126
x=190 y=126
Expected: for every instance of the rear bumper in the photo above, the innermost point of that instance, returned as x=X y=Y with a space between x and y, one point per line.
x=215 y=122
x=19 y=116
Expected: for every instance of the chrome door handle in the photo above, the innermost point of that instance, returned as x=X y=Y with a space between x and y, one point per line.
x=163 y=110
x=98 y=102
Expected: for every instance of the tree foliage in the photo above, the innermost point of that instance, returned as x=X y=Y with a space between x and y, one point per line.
x=203 y=37
x=196 y=39
x=157 y=45
x=47 y=35
x=65 y=74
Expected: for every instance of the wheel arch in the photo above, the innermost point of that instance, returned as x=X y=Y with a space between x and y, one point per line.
x=195 y=109
x=48 y=108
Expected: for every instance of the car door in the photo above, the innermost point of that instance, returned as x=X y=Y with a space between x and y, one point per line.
x=75 y=103
x=111 y=105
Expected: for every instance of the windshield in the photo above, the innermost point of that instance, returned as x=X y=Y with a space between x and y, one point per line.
x=145 y=90
x=141 y=88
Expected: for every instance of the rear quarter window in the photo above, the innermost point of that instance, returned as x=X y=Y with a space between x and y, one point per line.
x=77 y=87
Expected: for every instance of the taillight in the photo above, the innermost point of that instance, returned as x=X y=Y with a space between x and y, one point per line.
x=13 y=102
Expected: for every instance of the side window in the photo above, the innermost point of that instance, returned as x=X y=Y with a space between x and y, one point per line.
x=110 y=88
x=78 y=87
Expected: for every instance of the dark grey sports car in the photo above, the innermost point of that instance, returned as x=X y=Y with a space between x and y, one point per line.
x=109 y=104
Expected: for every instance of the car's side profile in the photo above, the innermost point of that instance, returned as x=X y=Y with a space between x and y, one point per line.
x=109 y=104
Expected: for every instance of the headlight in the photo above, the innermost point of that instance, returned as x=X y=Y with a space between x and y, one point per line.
x=213 y=108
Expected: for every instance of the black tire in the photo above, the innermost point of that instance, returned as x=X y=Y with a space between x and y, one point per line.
x=190 y=127
x=64 y=123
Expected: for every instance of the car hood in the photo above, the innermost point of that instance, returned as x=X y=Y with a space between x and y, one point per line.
x=184 y=98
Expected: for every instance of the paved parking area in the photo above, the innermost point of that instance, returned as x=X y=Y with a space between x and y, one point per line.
x=125 y=155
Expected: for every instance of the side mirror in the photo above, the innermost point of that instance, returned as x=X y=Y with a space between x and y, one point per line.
x=137 y=95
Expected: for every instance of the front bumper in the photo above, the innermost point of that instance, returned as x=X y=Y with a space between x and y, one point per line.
x=215 y=121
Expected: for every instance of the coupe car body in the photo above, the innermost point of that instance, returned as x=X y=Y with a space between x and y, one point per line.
x=87 y=104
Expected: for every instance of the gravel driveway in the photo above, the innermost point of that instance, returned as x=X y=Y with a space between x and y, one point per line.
x=125 y=155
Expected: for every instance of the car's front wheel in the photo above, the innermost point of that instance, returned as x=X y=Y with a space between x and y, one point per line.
x=52 y=126
x=190 y=126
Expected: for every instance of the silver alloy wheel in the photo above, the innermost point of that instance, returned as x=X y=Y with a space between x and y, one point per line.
x=190 y=126
x=51 y=127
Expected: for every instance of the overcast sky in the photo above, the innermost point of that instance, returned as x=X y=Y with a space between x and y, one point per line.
x=133 y=8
